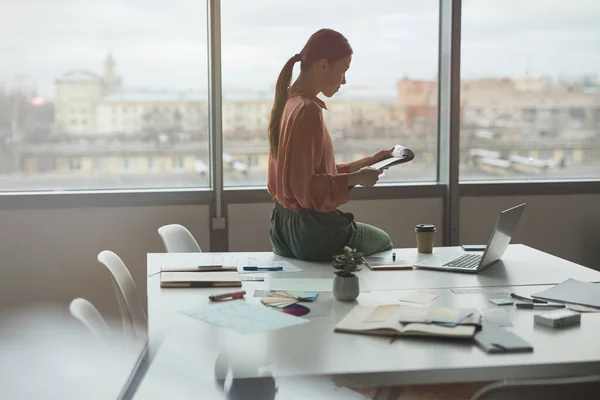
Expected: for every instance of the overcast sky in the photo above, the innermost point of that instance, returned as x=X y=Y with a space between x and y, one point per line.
x=162 y=44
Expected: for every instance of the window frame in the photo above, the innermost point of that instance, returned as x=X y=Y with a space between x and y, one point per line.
x=217 y=197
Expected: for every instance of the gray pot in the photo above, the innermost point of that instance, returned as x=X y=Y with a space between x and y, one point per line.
x=345 y=288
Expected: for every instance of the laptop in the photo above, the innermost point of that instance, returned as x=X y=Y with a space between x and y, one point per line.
x=506 y=225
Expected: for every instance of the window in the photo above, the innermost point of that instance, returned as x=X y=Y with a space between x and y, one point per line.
x=75 y=164
x=177 y=162
x=98 y=164
x=72 y=86
x=391 y=91
x=549 y=93
x=127 y=163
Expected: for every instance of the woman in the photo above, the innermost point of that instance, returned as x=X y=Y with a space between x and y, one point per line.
x=304 y=179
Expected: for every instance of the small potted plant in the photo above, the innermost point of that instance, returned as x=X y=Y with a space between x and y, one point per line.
x=345 y=283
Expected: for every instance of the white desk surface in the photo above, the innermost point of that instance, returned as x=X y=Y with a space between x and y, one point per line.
x=190 y=347
x=520 y=265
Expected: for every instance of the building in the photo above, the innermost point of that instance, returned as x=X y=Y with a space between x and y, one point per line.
x=104 y=127
x=531 y=118
x=417 y=104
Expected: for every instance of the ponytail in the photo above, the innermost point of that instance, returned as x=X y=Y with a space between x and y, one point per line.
x=283 y=82
x=324 y=43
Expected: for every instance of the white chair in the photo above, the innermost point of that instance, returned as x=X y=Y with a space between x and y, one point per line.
x=580 y=387
x=132 y=312
x=88 y=315
x=177 y=239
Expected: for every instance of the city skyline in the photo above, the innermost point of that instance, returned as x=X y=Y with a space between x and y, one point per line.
x=165 y=47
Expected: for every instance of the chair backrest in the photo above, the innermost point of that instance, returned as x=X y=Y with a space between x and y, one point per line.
x=88 y=315
x=581 y=387
x=177 y=239
x=132 y=311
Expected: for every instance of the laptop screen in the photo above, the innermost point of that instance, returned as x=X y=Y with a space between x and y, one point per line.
x=506 y=225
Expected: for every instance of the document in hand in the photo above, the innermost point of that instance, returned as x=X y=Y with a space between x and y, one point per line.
x=400 y=155
x=396 y=320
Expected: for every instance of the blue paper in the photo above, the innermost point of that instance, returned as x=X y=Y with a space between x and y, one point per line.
x=501 y=302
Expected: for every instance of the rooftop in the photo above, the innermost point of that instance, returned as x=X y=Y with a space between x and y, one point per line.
x=79 y=76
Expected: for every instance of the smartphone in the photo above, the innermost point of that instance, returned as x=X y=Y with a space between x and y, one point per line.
x=473 y=247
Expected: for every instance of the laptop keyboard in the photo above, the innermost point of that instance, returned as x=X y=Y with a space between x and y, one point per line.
x=466 y=261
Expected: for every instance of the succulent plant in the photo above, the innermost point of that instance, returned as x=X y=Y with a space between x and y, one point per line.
x=347 y=263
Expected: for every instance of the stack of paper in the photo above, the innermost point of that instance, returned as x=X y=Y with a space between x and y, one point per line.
x=281 y=299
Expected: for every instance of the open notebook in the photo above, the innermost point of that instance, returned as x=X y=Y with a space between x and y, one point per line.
x=199 y=279
x=397 y=320
x=400 y=155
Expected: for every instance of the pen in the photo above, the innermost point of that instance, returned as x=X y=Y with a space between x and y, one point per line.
x=519 y=297
x=255 y=268
x=532 y=306
x=366 y=263
x=232 y=295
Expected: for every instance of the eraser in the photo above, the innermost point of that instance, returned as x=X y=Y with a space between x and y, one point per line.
x=501 y=302
x=558 y=318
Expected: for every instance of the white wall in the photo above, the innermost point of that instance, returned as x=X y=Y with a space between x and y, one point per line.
x=50 y=255
x=567 y=226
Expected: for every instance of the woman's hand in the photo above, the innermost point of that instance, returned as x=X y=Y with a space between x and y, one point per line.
x=366 y=177
x=382 y=155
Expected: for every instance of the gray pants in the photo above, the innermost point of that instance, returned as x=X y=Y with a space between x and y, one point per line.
x=315 y=236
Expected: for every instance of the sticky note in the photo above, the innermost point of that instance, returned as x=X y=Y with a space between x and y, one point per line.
x=501 y=302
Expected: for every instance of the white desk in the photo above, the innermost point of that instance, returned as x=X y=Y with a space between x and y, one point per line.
x=520 y=265
x=190 y=347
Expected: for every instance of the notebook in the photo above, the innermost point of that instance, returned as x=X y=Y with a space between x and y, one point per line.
x=385 y=320
x=400 y=155
x=495 y=339
x=383 y=265
x=199 y=280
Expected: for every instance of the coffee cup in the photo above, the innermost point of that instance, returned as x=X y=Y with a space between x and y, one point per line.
x=425 y=237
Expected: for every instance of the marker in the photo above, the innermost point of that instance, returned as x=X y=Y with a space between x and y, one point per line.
x=232 y=295
x=393 y=256
x=255 y=268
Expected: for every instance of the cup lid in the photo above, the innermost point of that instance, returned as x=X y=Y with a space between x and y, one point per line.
x=425 y=228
